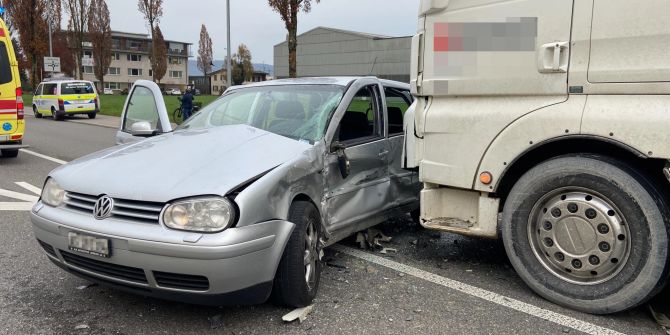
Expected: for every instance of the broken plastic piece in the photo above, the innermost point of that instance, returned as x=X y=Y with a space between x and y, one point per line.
x=298 y=313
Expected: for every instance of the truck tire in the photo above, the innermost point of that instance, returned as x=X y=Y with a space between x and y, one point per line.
x=587 y=232
x=297 y=278
x=9 y=153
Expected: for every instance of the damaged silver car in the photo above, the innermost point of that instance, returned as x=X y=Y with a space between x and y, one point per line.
x=237 y=203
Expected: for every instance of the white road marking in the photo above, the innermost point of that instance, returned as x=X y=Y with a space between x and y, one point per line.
x=55 y=160
x=27 y=200
x=29 y=187
x=495 y=298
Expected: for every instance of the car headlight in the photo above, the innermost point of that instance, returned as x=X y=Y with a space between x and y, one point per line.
x=52 y=194
x=200 y=214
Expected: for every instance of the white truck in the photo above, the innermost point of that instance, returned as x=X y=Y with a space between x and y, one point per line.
x=545 y=123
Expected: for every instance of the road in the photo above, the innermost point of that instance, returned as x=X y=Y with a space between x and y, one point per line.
x=420 y=289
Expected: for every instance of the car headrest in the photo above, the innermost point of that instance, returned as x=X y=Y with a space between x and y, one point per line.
x=355 y=121
x=291 y=110
x=395 y=115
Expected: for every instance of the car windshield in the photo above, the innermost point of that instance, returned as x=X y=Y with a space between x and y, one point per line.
x=76 y=88
x=300 y=112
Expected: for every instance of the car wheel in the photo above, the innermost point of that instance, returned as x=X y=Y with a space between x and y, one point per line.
x=56 y=116
x=587 y=232
x=416 y=216
x=92 y=115
x=37 y=114
x=297 y=278
x=9 y=153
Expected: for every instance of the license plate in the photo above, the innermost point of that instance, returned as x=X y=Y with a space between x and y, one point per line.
x=88 y=244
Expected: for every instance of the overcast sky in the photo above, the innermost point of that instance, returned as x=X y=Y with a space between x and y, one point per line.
x=256 y=25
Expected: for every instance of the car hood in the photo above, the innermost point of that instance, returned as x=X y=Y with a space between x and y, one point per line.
x=180 y=164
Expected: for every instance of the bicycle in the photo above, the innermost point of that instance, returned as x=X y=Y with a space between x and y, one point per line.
x=177 y=114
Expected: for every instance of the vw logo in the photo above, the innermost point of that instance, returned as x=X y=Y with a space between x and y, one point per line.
x=103 y=208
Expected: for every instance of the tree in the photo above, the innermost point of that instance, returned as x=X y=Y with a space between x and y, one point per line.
x=288 y=10
x=205 y=54
x=100 y=34
x=243 y=69
x=77 y=25
x=159 y=51
x=26 y=16
x=62 y=50
x=152 y=11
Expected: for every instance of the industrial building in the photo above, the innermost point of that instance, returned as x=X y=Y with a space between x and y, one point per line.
x=334 y=52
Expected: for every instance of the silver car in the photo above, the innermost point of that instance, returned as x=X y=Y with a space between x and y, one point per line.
x=239 y=201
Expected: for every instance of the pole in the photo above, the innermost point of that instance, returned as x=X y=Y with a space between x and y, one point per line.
x=51 y=50
x=229 y=73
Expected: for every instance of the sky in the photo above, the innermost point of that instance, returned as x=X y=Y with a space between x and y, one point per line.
x=256 y=25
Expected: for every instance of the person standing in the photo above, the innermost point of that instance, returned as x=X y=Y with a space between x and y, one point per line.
x=187 y=105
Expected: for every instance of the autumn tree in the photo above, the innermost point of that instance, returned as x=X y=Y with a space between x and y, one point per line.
x=159 y=51
x=205 y=53
x=152 y=11
x=62 y=51
x=26 y=17
x=243 y=69
x=100 y=34
x=77 y=25
x=288 y=10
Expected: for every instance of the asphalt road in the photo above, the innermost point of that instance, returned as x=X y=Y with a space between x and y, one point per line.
x=418 y=290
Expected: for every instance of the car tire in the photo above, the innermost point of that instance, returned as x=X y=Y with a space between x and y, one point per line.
x=291 y=286
x=92 y=115
x=56 y=116
x=559 y=214
x=37 y=114
x=416 y=216
x=9 y=153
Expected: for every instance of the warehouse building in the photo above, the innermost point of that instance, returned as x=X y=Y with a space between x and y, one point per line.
x=334 y=52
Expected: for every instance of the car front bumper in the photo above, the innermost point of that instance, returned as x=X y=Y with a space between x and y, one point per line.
x=239 y=271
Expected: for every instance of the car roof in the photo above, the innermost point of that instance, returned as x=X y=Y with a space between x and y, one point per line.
x=338 y=81
x=65 y=81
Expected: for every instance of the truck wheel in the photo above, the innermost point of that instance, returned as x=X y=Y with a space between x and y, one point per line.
x=37 y=114
x=9 y=153
x=92 y=115
x=297 y=278
x=587 y=232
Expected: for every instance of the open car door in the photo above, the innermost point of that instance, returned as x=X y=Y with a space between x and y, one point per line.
x=144 y=114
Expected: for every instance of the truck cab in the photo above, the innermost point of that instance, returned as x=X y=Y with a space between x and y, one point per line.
x=12 y=123
x=544 y=123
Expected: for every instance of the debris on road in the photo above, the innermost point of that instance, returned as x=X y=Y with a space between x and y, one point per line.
x=372 y=239
x=298 y=314
x=387 y=250
x=216 y=321
x=83 y=287
x=335 y=265
x=82 y=326
x=661 y=319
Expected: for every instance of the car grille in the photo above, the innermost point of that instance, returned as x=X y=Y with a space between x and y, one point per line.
x=181 y=281
x=48 y=248
x=108 y=269
x=139 y=211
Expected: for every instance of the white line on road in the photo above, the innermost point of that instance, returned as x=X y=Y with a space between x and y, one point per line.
x=15 y=206
x=18 y=196
x=55 y=160
x=496 y=298
x=29 y=187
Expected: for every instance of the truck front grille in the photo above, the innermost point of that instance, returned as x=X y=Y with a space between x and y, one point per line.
x=138 y=211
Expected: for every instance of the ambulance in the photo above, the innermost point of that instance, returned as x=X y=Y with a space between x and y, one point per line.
x=12 y=123
x=63 y=97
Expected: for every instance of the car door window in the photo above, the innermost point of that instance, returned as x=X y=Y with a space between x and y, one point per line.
x=5 y=65
x=38 y=91
x=397 y=103
x=141 y=107
x=49 y=89
x=361 y=121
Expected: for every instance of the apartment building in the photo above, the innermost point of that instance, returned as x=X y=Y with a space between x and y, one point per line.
x=130 y=62
x=219 y=82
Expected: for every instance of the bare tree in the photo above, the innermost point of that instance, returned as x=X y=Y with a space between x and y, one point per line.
x=159 y=60
x=152 y=11
x=205 y=53
x=243 y=69
x=27 y=18
x=100 y=33
x=77 y=11
x=288 y=10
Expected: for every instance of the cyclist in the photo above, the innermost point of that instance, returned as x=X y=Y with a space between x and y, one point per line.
x=187 y=104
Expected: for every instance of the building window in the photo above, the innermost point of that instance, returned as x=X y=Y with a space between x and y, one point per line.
x=88 y=70
x=215 y=88
x=114 y=71
x=116 y=56
x=134 y=72
x=113 y=86
x=151 y=72
x=134 y=58
x=88 y=54
x=134 y=44
x=214 y=77
x=175 y=74
x=175 y=60
x=116 y=44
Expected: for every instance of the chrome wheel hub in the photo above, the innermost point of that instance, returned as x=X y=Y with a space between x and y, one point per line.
x=579 y=236
x=310 y=255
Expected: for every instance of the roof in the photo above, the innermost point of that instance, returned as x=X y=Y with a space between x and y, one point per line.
x=338 y=81
x=349 y=32
x=140 y=36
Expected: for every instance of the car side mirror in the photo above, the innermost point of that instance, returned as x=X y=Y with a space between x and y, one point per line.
x=342 y=159
x=143 y=129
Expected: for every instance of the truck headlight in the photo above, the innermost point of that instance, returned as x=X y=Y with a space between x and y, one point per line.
x=52 y=194
x=200 y=214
